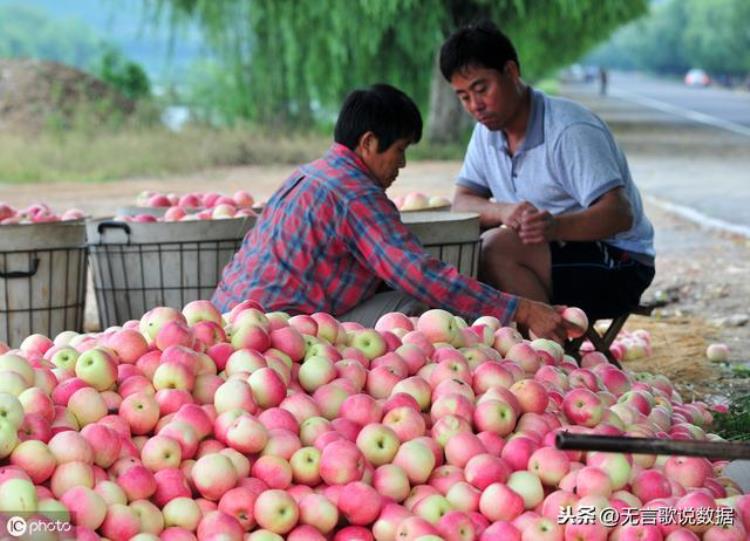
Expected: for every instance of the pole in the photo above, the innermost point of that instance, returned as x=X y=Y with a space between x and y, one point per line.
x=653 y=446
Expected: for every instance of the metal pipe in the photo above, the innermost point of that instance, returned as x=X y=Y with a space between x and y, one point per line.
x=653 y=446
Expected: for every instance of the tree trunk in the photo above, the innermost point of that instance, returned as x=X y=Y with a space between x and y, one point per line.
x=446 y=119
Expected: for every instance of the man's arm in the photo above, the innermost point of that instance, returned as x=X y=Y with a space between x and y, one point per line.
x=491 y=214
x=607 y=216
x=384 y=244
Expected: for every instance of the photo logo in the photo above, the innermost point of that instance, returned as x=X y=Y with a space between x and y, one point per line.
x=16 y=526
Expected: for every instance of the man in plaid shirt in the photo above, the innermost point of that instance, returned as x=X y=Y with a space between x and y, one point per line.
x=330 y=239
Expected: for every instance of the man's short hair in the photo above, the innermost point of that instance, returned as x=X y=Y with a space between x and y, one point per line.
x=480 y=45
x=382 y=109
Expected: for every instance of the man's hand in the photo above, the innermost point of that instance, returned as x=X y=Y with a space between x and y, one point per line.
x=537 y=227
x=512 y=214
x=543 y=320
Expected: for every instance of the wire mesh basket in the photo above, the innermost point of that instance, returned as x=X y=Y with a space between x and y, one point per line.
x=452 y=237
x=42 y=279
x=137 y=266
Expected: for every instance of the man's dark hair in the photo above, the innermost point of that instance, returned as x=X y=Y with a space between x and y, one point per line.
x=481 y=45
x=382 y=109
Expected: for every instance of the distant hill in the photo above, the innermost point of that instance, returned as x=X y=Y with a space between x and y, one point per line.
x=37 y=94
x=122 y=23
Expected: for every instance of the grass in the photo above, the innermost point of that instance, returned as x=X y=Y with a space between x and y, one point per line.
x=76 y=155
x=735 y=424
x=82 y=156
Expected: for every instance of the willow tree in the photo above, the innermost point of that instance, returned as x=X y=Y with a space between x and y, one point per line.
x=292 y=59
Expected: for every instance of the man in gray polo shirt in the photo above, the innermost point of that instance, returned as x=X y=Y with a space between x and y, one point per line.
x=565 y=222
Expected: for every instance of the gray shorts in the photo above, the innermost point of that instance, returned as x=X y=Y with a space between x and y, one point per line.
x=368 y=313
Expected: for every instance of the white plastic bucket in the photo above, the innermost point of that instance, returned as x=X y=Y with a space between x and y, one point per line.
x=137 y=266
x=452 y=237
x=42 y=279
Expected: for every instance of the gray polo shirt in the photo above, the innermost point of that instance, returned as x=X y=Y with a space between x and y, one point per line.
x=567 y=160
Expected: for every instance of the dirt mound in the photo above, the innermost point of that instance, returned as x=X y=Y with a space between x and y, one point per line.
x=37 y=94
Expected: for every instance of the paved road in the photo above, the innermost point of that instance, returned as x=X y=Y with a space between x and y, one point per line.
x=729 y=109
x=687 y=147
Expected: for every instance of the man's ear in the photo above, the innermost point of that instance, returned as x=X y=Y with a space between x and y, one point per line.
x=511 y=68
x=368 y=144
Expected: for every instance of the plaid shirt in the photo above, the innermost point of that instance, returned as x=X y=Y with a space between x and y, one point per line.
x=329 y=238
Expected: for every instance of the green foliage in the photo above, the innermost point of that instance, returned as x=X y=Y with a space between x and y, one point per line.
x=128 y=77
x=286 y=62
x=682 y=34
x=735 y=424
x=26 y=32
x=716 y=35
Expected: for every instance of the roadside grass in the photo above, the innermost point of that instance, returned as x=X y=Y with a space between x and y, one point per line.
x=735 y=424
x=92 y=157
x=84 y=156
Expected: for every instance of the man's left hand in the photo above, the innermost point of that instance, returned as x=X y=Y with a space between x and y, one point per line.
x=537 y=227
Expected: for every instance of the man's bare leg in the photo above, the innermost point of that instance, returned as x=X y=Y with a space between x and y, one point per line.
x=514 y=267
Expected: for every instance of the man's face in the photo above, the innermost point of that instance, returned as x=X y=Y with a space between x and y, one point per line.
x=490 y=96
x=385 y=165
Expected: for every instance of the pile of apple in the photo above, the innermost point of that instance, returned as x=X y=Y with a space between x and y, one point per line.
x=192 y=206
x=420 y=201
x=36 y=213
x=179 y=214
x=194 y=200
x=627 y=346
x=259 y=426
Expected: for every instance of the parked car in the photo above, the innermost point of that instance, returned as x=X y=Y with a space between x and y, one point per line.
x=697 y=77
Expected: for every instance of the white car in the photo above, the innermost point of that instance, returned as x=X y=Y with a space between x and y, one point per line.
x=697 y=77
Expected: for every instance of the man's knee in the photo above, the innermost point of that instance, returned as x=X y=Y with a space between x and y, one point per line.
x=502 y=246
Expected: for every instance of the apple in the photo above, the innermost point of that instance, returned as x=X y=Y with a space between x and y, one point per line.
x=317 y=511
x=649 y=485
x=416 y=459
x=87 y=508
x=341 y=462
x=618 y=467
x=276 y=511
x=97 y=368
x=128 y=344
x=583 y=407
x=414 y=201
x=438 y=326
x=235 y=394
x=87 y=405
x=593 y=481
x=531 y=395
x=160 y=452
x=370 y=342
x=71 y=474
x=71 y=446
x=18 y=496
x=717 y=352
x=35 y=458
x=496 y=416
x=141 y=412
x=577 y=318
x=499 y=502
x=378 y=443
x=528 y=486
x=183 y=513
x=105 y=442
x=305 y=464
x=11 y=410
x=359 y=503
x=688 y=471
x=63 y=356
x=136 y=481
x=391 y=482
x=316 y=371
x=413 y=528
